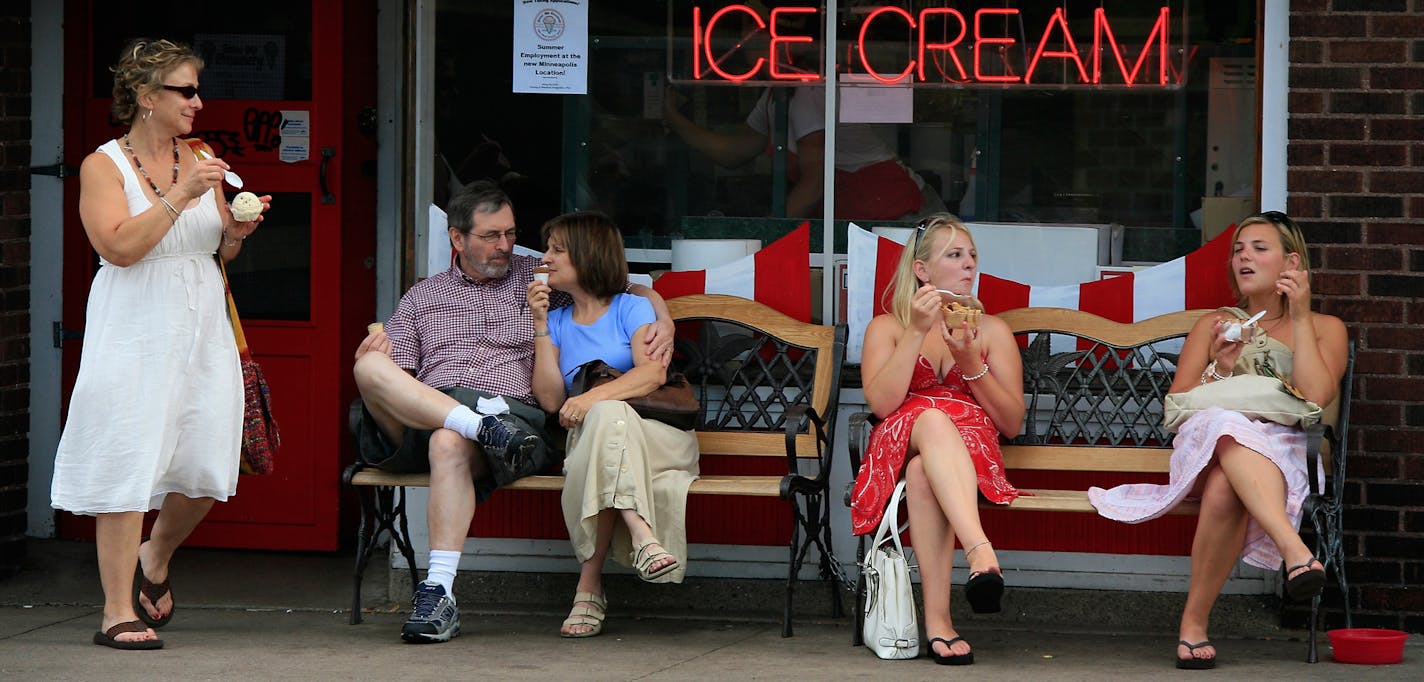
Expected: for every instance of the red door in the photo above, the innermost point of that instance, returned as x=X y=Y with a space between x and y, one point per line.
x=262 y=87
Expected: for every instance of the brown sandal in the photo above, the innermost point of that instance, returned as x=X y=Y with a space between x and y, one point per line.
x=109 y=637
x=154 y=592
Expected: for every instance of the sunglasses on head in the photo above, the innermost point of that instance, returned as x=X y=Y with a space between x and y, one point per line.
x=187 y=91
x=1277 y=217
x=919 y=230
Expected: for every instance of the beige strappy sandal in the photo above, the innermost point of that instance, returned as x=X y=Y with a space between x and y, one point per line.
x=588 y=611
x=649 y=553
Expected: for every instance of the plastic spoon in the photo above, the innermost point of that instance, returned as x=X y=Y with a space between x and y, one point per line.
x=1236 y=330
x=951 y=293
x=229 y=176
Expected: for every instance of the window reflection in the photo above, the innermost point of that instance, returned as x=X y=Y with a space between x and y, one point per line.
x=271 y=277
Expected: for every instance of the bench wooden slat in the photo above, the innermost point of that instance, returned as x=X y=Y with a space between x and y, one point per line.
x=1069 y=501
x=741 y=443
x=1099 y=328
x=754 y=486
x=1071 y=458
x=773 y=322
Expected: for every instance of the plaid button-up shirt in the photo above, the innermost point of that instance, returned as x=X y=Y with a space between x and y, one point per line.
x=451 y=330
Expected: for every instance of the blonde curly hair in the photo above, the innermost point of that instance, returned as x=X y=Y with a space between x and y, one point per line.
x=140 y=71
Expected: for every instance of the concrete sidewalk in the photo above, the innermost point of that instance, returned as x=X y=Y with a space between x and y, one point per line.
x=267 y=615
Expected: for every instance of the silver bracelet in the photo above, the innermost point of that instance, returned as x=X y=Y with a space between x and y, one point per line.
x=1211 y=371
x=172 y=212
x=978 y=376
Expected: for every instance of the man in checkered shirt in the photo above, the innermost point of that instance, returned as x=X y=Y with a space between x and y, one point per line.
x=447 y=388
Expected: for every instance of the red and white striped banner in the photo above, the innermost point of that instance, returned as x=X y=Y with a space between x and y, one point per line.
x=1196 y=280
x=778 y=276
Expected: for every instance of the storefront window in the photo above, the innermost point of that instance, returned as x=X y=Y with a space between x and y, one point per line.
x=999 y=125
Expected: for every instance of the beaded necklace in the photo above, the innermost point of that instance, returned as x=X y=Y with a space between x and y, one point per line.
x=129 y=148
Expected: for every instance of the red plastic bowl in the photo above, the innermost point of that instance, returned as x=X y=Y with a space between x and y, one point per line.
x=1371 y=646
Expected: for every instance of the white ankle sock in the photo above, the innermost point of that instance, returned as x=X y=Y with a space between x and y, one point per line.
x=464 y=421
x=442 y=569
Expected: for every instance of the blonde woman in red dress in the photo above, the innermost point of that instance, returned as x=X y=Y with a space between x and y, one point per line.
x=944 y=396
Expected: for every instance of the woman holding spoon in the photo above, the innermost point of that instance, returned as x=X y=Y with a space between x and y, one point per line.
x=155 y=421
x=945 y=395
x=1249 y=474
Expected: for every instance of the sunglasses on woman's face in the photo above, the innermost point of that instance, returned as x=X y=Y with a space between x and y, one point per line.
x=187 y=91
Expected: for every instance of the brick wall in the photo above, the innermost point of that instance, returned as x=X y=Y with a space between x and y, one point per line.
x=1356 y=182
x=14 y=279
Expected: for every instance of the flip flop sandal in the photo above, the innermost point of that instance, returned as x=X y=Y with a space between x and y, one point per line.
x=983 y=591
x=1306 y=584
x=589 y=610
x=1195 y=663
x=154 y=592
x=951 y=659
x=107 y=638
x=644 y=557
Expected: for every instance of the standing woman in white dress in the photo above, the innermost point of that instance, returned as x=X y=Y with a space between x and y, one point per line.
x=155 y=421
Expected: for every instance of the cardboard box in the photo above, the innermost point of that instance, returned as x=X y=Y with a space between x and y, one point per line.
x=1219 y=213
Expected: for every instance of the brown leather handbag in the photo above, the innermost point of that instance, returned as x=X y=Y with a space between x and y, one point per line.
x=673 y=403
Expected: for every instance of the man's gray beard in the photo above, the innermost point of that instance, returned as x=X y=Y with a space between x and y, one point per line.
x=491 y=271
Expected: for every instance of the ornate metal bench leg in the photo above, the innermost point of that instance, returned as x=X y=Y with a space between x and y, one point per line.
x=829 y=570
x=1313 y=656
x=402 y=540
x=792 y=564
x=363 y=553
x=857 y=637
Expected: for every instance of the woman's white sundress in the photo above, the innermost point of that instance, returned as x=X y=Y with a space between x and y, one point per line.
x=157 y=406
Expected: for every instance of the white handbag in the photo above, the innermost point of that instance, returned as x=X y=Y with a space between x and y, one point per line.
x=890 y=627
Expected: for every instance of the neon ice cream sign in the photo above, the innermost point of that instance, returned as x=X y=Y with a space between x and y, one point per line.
x=957 y=47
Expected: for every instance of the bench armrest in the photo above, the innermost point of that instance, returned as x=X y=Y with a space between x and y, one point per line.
x=798 y=419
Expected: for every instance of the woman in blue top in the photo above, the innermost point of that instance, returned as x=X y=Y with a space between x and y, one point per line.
x=626 y=477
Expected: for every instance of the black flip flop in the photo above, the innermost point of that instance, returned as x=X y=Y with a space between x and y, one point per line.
x=1306 y=584
x=952 y=659
x=983 y=591
x=107 y=638
x=1195 y=663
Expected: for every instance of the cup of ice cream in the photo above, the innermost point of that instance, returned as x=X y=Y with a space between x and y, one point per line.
x=541 y=274
x=246 y=207
x=375 y=328
x=957 y=314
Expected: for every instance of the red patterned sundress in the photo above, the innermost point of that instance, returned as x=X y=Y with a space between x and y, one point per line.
x=885 y=455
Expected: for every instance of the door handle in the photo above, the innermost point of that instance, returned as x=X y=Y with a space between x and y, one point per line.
x=326 y=196
x=61 y=334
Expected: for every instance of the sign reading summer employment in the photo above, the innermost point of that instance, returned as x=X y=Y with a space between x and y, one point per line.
x=974 y=44
x=551 y=46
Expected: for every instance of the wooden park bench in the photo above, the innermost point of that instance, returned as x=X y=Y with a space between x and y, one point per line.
x=769 y=387
x=1093 y=393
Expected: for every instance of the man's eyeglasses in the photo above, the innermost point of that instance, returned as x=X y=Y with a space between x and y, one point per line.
x=187 y=91
x=494 y=237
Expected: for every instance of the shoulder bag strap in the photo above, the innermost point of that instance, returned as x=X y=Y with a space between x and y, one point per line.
x=232 y=311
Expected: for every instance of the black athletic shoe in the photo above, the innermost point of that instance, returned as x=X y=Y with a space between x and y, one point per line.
x=511 y=444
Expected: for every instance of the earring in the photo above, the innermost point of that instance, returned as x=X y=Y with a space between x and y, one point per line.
x=147 y=114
